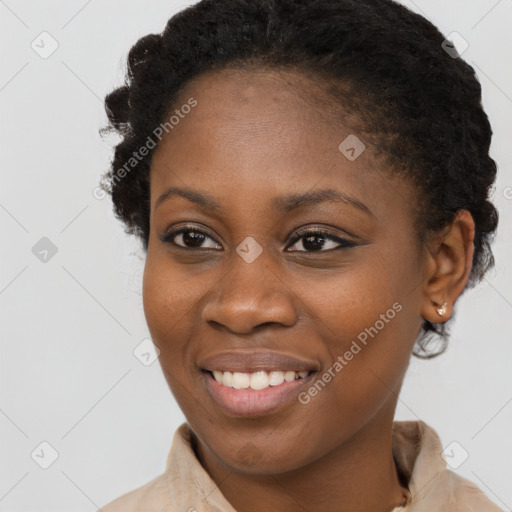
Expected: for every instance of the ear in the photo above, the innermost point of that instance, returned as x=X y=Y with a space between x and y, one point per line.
x=448 y=265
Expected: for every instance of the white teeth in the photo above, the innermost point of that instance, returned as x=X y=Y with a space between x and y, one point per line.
x=256 y=380
x=289 y=376
x=276 y=378
x=227 y=378
x=241 y=380
x=259 y=380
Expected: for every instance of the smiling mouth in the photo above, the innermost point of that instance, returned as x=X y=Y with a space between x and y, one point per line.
x=274 y=390
x=256 y=380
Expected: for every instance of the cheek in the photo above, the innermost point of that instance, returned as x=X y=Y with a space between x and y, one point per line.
x=168 y=309
x=368 y=356
x=345 y=304
x=167 y=306
x=369 y=321
x=167 y=293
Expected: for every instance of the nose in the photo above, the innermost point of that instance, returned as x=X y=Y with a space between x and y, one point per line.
x=249 y=296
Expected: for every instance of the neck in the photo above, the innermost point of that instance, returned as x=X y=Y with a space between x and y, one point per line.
x=359 y=475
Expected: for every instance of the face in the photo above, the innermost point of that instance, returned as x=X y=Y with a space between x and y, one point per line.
x=233 y=267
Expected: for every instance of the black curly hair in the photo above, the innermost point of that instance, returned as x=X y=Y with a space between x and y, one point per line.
x=419 y=107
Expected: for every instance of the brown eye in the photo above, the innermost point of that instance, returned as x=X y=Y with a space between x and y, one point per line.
x=316 y=240
x=189 y=238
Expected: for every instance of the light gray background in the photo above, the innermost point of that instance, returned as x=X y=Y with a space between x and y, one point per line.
x=68 y=375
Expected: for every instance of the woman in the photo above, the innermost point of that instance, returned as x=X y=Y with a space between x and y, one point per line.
x=310 y=183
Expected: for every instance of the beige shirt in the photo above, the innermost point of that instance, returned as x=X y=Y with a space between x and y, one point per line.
x=185 y=486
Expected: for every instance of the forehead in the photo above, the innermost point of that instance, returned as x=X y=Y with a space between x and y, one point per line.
x=262 y=133
x=238 y=95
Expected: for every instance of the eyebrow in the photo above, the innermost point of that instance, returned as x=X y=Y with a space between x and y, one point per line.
x=284 y=204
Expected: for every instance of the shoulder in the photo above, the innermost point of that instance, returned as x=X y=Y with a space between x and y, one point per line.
x=433 y=485
x=451 y=492
x=149 y=497
x=163 y=492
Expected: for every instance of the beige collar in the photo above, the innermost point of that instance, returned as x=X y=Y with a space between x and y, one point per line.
x=416 y=450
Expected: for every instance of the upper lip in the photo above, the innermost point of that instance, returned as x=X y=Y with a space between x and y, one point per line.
x=249 y=361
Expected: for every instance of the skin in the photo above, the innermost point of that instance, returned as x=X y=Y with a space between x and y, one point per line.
x=254 y=136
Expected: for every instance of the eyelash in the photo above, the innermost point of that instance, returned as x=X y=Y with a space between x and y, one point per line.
x=344 y=243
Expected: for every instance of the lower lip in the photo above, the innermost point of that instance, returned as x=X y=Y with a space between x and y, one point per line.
x=252 y=402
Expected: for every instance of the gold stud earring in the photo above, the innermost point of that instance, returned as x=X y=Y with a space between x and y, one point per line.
x=441 y=309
